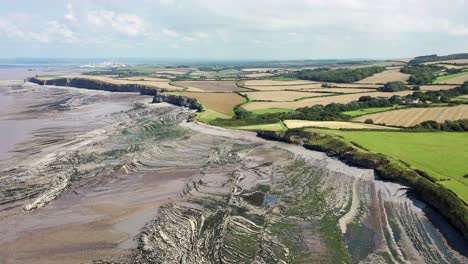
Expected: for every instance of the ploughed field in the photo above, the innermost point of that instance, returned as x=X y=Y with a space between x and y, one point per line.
x=414 y=116
x=442 y=155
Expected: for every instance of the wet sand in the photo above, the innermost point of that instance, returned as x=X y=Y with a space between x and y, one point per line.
x=88 y=224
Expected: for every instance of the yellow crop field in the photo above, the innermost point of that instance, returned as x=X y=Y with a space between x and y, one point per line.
x=343 y=99
x=279 y=96
x=332 y=124
x=413 y=116
x=219 y=102
x=209 y=86
x=340 y=90
x=273 y=83
x=436 y=87
x=258 y=75
x=285 y=87
x=386 y=76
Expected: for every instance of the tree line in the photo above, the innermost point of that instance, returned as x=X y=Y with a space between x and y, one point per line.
x=420 y=74
x=339 y=76
x=434 y=57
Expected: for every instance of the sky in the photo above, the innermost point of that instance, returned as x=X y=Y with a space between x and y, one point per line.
x=237 y=29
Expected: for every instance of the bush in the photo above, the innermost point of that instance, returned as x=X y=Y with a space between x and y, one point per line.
x=369 y=121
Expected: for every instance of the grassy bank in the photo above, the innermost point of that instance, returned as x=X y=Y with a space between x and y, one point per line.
x=441 y=155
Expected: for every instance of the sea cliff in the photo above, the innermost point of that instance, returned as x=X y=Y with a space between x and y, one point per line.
x=87 y=83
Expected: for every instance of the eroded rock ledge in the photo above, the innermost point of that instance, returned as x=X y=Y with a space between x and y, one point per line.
x=442 y=199
x=158 y=93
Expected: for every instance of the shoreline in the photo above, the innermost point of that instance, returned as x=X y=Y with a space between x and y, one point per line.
x=459 y=222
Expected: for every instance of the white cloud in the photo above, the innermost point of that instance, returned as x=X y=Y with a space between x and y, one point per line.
x=170 y=33
x=61 y=31
x=10 y=30
x=128 y=24
x=70 y=14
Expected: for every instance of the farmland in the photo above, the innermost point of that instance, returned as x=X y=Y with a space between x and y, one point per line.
x=346 y=98
x=413 y=116
x=331 y=124
x=457 y=78
x=386 y=76
x=250 y=83
x=208 y=86
x=371 y=110
x=219 y=102
x=442 y=155
x=281 y=95
x=437 y=87
x=340 y=90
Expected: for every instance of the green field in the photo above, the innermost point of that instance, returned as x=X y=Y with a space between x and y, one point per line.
x=371 y=110
x=209 y=115
x=450 y=76
x=442 y=155
x=270 y=111
x=270 y=127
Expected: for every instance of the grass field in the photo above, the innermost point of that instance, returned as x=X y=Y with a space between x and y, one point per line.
x=442 y=155
x=331 y=124
x=281 y=96
x=413 y=116
x=219 y=102
x=386 y=76
x=457 y=78
x=271 y=111
x=343 y=99
x=210 y=115
x=371 y=110
x=209 y=86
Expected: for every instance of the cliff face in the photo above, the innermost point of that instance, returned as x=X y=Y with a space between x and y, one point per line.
x=96 y=85
x=426 y=189
x=86 y=83
x=178 y=100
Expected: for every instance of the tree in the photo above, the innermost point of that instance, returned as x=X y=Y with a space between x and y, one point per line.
x=393 y=87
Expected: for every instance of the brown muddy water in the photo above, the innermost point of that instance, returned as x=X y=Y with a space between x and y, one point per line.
x=88 y=175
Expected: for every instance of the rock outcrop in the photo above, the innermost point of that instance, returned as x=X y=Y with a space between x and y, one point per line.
x=178 y=100
x=87 y=83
